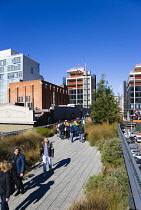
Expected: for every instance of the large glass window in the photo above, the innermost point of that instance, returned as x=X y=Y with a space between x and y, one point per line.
x=16 y=60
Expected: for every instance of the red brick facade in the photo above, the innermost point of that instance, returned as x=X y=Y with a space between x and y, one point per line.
x=37 y=93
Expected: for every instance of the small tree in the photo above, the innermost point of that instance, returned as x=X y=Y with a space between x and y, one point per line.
x=105 y=108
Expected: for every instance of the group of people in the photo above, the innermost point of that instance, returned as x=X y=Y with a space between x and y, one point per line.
x=71 y=130
x=11 y=170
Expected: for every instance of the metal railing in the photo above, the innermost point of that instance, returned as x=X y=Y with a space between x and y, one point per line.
x=134 y=174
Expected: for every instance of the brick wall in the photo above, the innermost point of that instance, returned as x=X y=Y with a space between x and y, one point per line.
x=38 y=92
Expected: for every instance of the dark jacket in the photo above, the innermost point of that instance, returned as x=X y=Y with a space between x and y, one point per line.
x=62 y=127
x=5 y=183
x=81 y=129
x=50 y=149
x=20 y=163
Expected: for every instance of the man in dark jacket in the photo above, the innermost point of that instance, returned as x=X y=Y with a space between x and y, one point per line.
x=18 y=168
x=62 y=130
x=81 y=133
x=47 y=151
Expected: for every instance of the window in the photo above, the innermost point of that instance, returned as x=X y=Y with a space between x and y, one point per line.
x=1 y=76
x=15 y=68
x=1 y=63
x=10 y=75
x=20 y=74
x=15 y=74
x=1 y=69
x=27 y=98
x=19 y=66
x=31 y=70
x=16 y=60
x=12 y=68
x=20 y=99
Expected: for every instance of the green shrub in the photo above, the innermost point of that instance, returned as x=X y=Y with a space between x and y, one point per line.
x=45 y=132
x=108 y=190
x=112 y=153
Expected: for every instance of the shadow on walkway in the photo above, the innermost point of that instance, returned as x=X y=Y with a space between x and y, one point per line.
x=61 y=163
x=37 y=194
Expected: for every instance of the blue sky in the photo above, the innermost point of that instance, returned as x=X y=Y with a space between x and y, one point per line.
x=59 y=34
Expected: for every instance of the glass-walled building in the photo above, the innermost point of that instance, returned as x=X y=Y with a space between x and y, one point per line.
x=15 y=67
x=81 y=85
x=134 y=90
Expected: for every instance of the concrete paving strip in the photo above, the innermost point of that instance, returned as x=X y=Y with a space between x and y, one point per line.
x=73 y=164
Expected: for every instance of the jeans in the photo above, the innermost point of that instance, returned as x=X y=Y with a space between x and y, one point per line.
x=81 y=137
x=46 y=159
x=71 y=137
x=59 y=133
x=4 y=204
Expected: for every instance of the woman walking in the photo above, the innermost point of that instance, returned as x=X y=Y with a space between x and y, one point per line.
x=5 y=167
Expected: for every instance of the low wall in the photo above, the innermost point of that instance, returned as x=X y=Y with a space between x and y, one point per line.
x=4 y=128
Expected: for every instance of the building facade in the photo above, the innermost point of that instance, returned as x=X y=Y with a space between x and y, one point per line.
x=81 y=85
x=133 y=88
x=16 y=67
x=37 y=94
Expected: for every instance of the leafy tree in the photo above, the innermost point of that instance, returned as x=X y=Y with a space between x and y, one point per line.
x=105 y=108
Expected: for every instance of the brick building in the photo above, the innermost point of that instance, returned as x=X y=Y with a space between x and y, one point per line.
x=37 y=93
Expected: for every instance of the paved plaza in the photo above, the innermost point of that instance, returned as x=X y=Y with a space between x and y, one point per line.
x=73 y=164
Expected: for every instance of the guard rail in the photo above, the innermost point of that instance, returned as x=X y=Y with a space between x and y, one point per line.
x=134 y=173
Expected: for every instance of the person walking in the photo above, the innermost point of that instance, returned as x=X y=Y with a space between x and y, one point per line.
x=5 y=167
x=81 y=133
x=47 y=152
x=71 y=133
x=18 y=169
x=75 y=129
x=62 y=130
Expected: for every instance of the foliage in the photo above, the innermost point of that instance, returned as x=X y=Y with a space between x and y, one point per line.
x=112 y=153
x=108 y=190
x=45 y=132
x=105 y=108
x=28 y=141
x=95 y=133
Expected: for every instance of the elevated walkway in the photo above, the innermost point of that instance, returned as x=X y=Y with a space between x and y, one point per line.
x=73 y=164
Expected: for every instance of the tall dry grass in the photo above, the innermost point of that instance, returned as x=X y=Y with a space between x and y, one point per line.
x=28 y=141
x=100 y=199
x=95 y=133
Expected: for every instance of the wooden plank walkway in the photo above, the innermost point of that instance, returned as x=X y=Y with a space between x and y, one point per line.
x=73 y=164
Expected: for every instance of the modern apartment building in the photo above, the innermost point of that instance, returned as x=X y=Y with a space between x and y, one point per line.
x=133 y=88
x=37 y=94
x=16 y=67
x=81 y=84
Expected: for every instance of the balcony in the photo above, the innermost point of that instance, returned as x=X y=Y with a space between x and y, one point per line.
x=74 y=82
x=78 y=87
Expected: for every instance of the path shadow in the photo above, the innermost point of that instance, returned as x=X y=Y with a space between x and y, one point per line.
x=36 y=195
x=37 y=180
x=61 y=163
